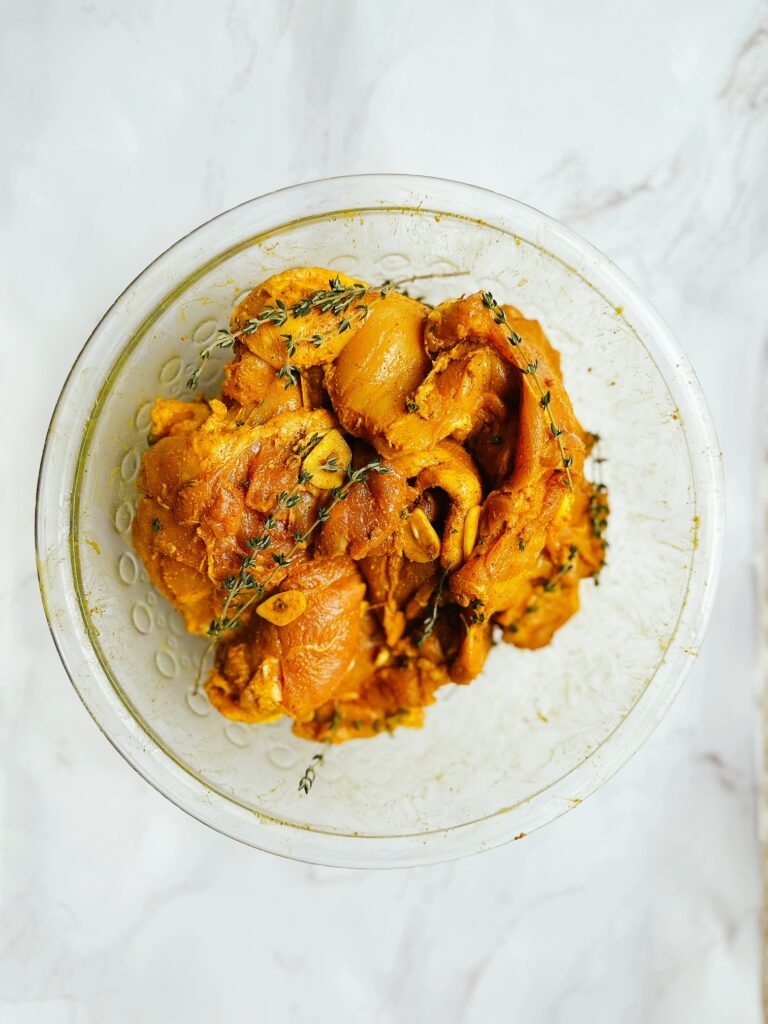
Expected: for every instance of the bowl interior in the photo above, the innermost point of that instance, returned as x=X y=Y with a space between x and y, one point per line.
x=530 y=737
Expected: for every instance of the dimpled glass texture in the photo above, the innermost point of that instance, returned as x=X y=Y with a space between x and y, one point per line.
x=538 y=731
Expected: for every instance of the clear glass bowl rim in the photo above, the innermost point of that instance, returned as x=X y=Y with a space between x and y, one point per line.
x=189 y=793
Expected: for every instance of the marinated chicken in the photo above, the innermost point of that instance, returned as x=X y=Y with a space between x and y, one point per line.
x=382 y=491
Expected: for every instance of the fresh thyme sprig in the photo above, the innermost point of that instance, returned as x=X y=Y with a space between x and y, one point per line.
x=597 y=511
x=244 y=580
x=429 y=623
x=344 y=302
x=290 y=373
x=276 y=315
x=477 y=609
x=530 y=368
x=337 y=300
x=307 y=780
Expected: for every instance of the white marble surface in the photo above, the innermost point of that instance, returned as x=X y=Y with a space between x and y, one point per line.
x=125 y=124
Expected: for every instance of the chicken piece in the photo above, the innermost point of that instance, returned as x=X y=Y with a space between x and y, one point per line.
x=217 y=485
x=453 y=399
x=393 y=696
x=380 y=367
x=468 y=321
x=316 y=335
x=574 y=549
x=296 y=668
x=461 y=324
x=176 y=560
x=172 y=418
x=517 y=517
x=533 y=516
x=173 y=554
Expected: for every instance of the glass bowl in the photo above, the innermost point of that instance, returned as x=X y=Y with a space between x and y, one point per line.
x=538 y=731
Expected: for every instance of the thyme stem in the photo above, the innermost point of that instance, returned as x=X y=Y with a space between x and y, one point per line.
x=531 y=369
x=307 y=780
x=429 y=623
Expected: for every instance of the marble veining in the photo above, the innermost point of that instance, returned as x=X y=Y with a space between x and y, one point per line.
x=645 y=129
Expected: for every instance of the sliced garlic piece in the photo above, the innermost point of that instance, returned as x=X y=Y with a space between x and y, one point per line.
x=306 y=394
x=276 y=693
x=420 y=542
x=471 y=524
x=280 y=609
x=328 y=461
x=383 y=656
